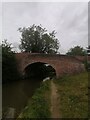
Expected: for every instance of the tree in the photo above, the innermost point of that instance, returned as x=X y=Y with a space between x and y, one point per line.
x=36 y=39
x=77 y=50
x=9 y=65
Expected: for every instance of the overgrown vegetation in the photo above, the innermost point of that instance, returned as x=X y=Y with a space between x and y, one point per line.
x=9 y=65
x=39 y=107
x=73 y=91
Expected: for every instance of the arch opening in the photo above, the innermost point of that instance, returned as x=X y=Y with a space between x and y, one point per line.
x=39 y=70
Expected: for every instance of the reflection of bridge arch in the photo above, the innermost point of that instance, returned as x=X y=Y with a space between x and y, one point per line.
x=61 y=63
x=39 y=70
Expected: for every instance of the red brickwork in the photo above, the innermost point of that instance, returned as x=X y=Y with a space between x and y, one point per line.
x=61 y=63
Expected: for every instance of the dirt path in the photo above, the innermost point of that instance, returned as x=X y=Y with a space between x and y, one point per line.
x=55 y=112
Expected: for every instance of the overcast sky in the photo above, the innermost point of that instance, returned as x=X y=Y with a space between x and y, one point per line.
x=69 y=20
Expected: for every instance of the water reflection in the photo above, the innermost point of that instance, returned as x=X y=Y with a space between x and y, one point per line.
x=16 y=94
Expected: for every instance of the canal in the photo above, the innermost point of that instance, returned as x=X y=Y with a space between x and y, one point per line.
x=16 y=94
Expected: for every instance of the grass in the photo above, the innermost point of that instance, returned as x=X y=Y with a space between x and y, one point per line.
x=73 y=95
x=39 y=106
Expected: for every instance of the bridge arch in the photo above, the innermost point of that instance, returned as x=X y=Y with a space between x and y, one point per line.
x=39 y=70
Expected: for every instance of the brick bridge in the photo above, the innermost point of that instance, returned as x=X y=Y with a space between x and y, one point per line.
x=61 y=63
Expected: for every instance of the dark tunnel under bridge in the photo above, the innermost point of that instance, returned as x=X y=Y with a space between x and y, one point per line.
x=39 y=70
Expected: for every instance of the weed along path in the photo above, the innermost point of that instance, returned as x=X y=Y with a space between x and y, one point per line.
x=55 y=104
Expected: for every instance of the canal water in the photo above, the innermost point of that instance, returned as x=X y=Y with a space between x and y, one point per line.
x=16 y=94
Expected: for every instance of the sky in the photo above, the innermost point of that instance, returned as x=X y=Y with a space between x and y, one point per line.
x=68 y=19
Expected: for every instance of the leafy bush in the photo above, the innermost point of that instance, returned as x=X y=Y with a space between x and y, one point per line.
x=9 y=64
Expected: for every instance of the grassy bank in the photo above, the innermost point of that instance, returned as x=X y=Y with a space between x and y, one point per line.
x=38 y=107
x=73 y=95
